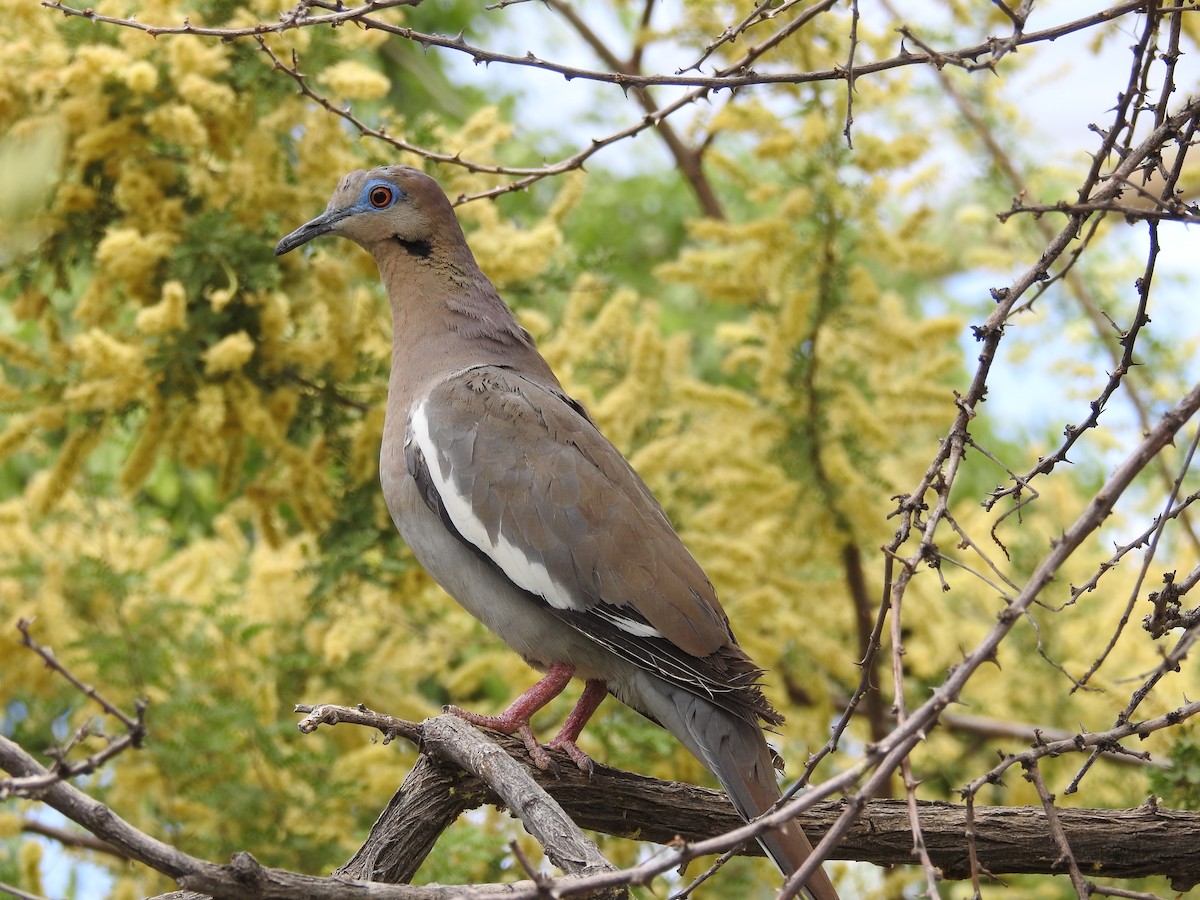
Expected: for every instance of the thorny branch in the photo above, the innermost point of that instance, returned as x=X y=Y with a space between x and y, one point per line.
x=883 y=758
x=688 y=159
x=1161 y=523
x=1100 y=741
x=941 y=475
x=1169 y=665
x=34 y=786
x=737 y=73
x=1034 y=775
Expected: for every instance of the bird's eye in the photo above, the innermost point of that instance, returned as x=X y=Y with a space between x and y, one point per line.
x=380 y=197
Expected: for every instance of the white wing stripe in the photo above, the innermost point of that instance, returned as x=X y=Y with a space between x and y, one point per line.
x=630 y=626
x=526 y=573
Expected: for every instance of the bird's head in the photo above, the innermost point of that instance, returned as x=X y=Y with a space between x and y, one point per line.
x=388 y=204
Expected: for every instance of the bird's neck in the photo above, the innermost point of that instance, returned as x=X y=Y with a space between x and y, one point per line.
x=446 y=317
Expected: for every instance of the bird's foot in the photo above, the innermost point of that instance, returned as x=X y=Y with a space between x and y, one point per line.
x=510 y=724
x=594 y=691
x=515 y=719
x=569 y=747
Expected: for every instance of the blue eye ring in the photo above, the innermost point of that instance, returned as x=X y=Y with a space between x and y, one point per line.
x=381 y=196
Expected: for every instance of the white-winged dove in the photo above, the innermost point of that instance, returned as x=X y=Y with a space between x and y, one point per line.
x=525 y=513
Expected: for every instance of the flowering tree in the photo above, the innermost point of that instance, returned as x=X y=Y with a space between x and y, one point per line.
x=770 y=326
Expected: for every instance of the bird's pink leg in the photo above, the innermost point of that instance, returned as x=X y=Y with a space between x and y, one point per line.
x=515 y=719
x=594 y=692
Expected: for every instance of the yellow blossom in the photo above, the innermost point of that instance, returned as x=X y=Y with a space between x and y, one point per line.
x=30 y=861
x=16 y=433
x=973 y=214
x=71 y=198
x=510 y=254
x=169 y=314
x=364 y=452
x=98 y=59
x=140 y=77
x=206 y=94
x=138 y=191
x=208 y=412
x=228 y=354
x=188 y=57
x=10 y=825
x=45 y=489
x=102 y=142
x=106 y=394
x=180 y=124
x=274 y=315
x=354 y=81
x=145 y=451
x=104 y=356
x=128 y=255
x=18 y=354
x=282 y=404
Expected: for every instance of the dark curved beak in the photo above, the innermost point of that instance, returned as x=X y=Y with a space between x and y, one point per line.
x=322 y=224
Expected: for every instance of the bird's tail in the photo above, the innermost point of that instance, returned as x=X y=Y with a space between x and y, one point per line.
x=753 y=795
x=736 y=751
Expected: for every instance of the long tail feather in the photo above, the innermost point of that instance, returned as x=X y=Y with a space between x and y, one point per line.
x=735 y=750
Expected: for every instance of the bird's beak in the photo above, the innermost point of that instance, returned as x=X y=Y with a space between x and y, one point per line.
x=322 y=224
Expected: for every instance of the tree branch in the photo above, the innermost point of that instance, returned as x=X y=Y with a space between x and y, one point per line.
x=1010 y=839
x=736 y=75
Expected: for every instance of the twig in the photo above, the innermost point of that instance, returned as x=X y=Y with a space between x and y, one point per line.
x=1121 y=550
x=763 y=12
x=850 y=74
x=1092 y=740
x=328 y=714
x=1109 y=891
x=80 y=839
x=1177 y=212
x=920 y=850
x=1169 y=664
x=732 y=76
x=1034 y=775
x=687 y=159
x=972 y=848
x=17 y=892
x=134 y=724
x=884 y=757
x=1147 y=559
x=135 y=731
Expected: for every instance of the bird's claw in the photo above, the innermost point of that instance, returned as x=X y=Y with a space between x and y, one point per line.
x=570 y=748
x=537 y=752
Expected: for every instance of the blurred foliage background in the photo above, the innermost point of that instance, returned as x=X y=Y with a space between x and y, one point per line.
x=189 y=428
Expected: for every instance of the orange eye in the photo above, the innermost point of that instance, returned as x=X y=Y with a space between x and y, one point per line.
x=380 y=197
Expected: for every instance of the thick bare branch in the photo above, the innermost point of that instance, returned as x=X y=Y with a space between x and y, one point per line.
x=1011 y=839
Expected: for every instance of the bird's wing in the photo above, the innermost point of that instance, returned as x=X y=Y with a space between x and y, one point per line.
x=518 y=471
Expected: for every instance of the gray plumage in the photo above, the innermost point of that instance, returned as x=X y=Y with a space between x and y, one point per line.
x=522 y=511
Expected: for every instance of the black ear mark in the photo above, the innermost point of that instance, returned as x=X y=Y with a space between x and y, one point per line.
x=419 y=249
